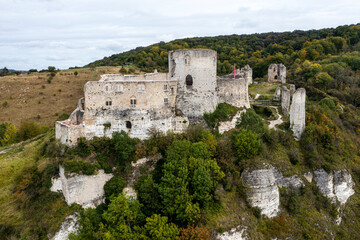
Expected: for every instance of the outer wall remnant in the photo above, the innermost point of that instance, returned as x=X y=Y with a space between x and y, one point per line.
x=285 y=100
x=277 y=73
x=297 y=112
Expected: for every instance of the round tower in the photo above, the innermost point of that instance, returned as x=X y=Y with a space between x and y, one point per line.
x=195 y=71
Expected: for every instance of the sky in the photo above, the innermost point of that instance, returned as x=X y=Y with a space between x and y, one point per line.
x=67 y=33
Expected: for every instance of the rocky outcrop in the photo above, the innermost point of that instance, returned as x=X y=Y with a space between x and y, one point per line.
x=88 y=191
x=70 y=225
x=264 y=188
x=336 y=185
x=264 y=192
x=285 y=100
x=228 y=125
x=237 y=233
x=297 y=113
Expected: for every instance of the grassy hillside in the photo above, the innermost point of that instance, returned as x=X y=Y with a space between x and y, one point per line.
x=30 y=97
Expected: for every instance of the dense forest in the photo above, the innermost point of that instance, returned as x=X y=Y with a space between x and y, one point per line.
x=328 y=58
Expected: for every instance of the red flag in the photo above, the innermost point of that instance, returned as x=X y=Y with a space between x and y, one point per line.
x=234 y=71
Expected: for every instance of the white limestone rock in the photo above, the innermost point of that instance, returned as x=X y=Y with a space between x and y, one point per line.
x=297 y=112
x=337 y=185
x=308 y=176
x=277 y=93
x=285 y=100
x=88 y=191
x=343 y=186
x=69 y=226
x=264 y=192
x=228 y=125
x=233 y=234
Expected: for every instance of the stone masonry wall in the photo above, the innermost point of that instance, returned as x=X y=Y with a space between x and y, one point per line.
x=200 y=94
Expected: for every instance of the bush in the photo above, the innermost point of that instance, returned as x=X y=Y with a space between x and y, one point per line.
x=246 y=144
x=80 y=167
x=194 y=233
x=251 y=121
x=223 y=112
x=28 y=130
x=114 y=186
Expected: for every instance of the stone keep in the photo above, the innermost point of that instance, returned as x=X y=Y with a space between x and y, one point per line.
x=297 y=112
x=277 y=73
x=195 y=71
x=285 y=100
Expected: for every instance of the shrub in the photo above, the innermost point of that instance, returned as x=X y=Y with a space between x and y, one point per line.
x=223 y=112
x=246 y=144
x=194 y=233
x=5 y=104
x=79 y=167
x=28 y=130
x=251 y=121
x=114 y=186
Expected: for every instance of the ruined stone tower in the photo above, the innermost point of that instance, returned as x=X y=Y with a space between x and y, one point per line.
x=277 y=73
x=195 y=71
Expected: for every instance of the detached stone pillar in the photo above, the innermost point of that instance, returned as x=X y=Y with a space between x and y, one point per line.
x=285 y=100
x=297 y=112
x=277 y=93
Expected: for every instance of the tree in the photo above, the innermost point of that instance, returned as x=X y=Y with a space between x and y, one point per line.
x=194 y=233
x=157 y=227
x=124 y=146
x=28 y=130
x=76 y=73
x=51 y=69
x=246 y=144
x=7 y=134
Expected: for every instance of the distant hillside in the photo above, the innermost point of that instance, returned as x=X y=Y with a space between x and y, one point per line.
x=258 y=50
x=41 y=98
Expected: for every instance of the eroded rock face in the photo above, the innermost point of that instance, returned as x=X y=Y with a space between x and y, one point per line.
x=285 y=100
x=88 y=191
x=228 y=125
x=337 y=185
x=264 y=192
x=264 y=188
x=69 y=226
x=297 y=112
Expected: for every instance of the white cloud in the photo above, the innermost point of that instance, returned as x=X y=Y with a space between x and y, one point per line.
x=65 y=33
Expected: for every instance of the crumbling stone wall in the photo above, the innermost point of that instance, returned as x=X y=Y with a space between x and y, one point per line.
x=277 y=94
x=248 y=72
x=233 y=91
x=195 y=71
x=297 y=112
x=277 y=73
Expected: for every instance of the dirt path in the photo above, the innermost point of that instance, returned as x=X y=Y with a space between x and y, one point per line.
x=277 y=121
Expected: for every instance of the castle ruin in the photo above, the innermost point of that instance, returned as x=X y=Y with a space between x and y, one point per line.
x=277 y=73
x=166 y=101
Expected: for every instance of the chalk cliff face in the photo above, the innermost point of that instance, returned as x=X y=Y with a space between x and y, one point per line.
x=337 y=185
x=88 y=191
x=70 y=225
x=264 y=192
x=264 y=188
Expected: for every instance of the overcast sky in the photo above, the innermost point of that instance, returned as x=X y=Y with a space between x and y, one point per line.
x=67 y=33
